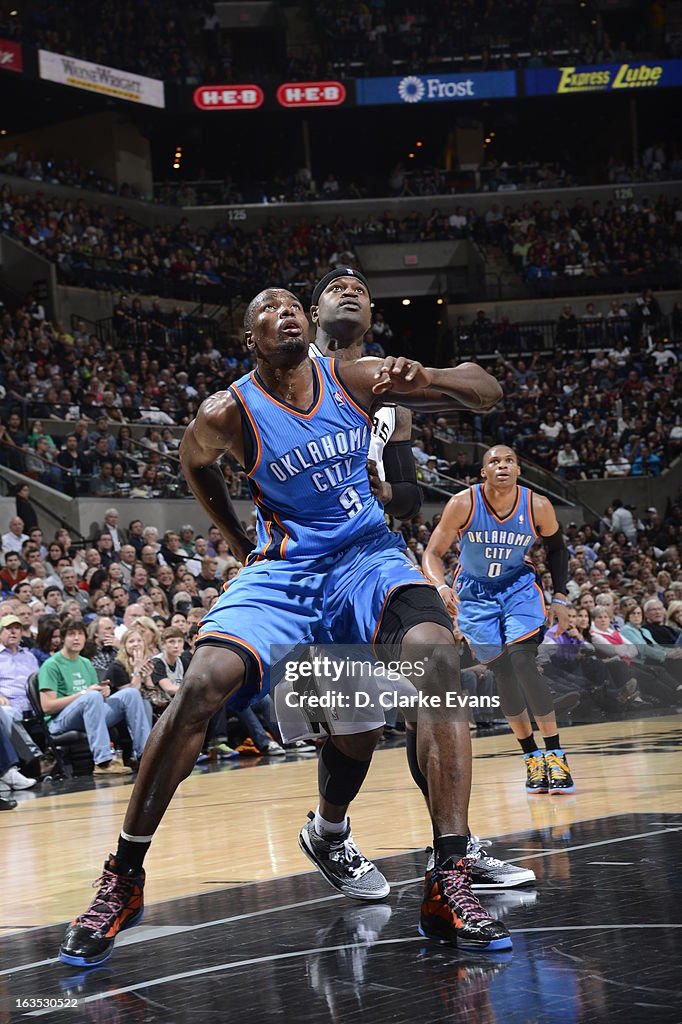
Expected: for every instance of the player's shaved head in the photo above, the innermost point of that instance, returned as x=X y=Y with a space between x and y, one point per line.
x=258 y=300
x=499 y=451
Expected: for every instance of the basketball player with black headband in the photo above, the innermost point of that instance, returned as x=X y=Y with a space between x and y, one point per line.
x=341 y=312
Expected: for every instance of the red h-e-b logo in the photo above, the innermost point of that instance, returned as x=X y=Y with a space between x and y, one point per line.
x=11 y=56
x=228 y=97
x=311 y=94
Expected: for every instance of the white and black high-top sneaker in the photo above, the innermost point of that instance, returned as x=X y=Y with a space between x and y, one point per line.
x=342 y=864
x=489 y=873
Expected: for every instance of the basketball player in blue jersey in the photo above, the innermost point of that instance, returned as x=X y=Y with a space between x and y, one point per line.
x=498 y=604
x=341 y=311
x=325 y=568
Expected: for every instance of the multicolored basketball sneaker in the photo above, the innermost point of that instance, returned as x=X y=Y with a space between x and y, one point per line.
x=537 y=780
x=119 y=904
x=451 y=913
x=559 y=776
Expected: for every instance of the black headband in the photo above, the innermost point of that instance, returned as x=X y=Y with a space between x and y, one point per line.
x=332 y=275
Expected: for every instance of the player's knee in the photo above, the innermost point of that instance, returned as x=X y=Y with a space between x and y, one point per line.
x=359 y=746
x=204 y=690
x=428 y=634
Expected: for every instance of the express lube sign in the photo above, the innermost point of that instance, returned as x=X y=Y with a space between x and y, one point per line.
x=574 y=79
x=414 y=89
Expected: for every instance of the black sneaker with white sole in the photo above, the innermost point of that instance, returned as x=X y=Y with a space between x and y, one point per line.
x=342 y=864
x=489 y=873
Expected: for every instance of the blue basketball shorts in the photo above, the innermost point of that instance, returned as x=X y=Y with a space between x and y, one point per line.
x=491 y=616
x=288 y=605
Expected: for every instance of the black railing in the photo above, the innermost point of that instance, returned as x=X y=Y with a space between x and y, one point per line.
x=487 y=339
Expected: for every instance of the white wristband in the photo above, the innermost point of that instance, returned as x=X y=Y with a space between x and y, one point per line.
x=447 y=587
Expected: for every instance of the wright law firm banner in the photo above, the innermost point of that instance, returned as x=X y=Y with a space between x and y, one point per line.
x=634 y=76
x=82 y=74
x=411 y=89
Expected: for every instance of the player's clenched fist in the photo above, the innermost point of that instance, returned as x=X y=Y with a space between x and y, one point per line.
x=400 y=375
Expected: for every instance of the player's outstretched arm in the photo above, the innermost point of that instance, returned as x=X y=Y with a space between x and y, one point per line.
x=214 y=432
x=454 y=516
x=426 y=389
x=557 y=558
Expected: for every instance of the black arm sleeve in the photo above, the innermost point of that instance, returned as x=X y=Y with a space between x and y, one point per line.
x=401 y=474
x=557 y=561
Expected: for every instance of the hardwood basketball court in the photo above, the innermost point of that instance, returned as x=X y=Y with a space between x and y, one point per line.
x=237 y=923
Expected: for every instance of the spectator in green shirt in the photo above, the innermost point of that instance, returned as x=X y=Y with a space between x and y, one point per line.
x=72 y=697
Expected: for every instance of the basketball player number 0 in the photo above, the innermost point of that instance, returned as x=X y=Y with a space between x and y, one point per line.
x=350 y=501
x=494 y=569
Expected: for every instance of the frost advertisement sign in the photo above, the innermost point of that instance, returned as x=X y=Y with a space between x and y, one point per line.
x=412 y=89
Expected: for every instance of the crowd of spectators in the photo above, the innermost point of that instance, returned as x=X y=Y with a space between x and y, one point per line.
x=403 y=180
x=619 y=243
x=55 y=170
x=119 y=612
x=633 y=239
x=596 y=395
x=187 y=46
x=607 y=402
x=389 y=37
x=143 y=36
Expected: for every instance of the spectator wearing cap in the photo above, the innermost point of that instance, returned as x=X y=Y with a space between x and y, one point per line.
x=16 y=665
x=15 y=536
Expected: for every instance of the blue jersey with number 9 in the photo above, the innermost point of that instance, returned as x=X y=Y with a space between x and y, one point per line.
x=308 y=470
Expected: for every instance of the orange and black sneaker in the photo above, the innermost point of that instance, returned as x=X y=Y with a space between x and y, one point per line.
x=451 y=913
x=119 y=904
x=536 y=772
x=559 y=776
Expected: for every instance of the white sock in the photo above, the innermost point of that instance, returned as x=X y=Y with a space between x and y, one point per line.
x=326 y=828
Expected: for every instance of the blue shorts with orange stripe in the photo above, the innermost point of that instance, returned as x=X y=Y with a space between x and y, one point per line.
x=283 y=605
x=493 y=615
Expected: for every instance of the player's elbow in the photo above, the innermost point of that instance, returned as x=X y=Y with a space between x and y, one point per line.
x=490 y=392
x=484 y=387
x=406 y=501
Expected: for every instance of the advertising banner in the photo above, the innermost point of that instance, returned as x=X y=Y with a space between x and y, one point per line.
x=436 y=88
x=82 y=74
x=572 y=80
x=11 y=57
x=311 y=94
x=228 y=97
